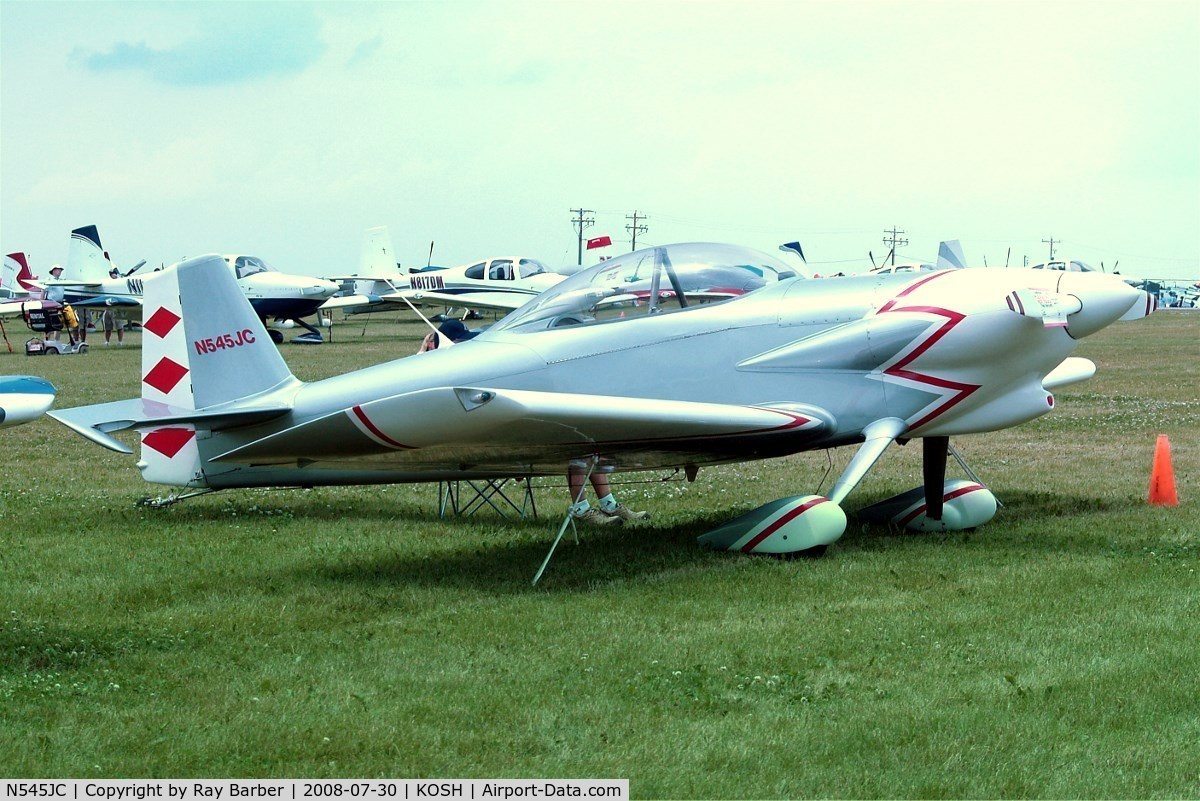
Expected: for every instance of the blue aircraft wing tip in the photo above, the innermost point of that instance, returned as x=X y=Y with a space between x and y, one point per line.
x=26 y=384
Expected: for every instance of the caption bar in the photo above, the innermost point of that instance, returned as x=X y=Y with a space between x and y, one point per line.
x=324 y=789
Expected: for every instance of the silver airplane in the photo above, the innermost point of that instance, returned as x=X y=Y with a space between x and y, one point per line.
x=678 y=356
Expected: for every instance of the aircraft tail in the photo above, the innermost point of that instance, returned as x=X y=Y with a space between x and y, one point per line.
x=207 y=363
x=85 y=257
x=378 y=257
x=16 y=275
x=203 y=346
x=950 y=255
x=376 y=263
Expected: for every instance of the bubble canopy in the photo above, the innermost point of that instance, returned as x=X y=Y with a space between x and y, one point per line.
x=667 y=278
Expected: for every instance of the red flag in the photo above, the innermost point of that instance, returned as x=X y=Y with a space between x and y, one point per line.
x=599 y=242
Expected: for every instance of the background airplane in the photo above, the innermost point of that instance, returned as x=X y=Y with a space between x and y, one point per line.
x=585 y=378
x=23 y=398
x=498 y=284
x=950 y=257
x=1075 y=266
x=90 y=279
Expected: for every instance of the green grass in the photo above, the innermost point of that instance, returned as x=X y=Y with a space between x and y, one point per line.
x=350 y=632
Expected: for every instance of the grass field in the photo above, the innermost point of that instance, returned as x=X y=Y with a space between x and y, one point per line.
x=350 y=632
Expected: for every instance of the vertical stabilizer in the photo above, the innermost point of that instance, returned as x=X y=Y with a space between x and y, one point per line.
x=950 y=255
x=8 y=272
x=378 y=257
x=85 y=257
x=202 y=346
x=16 y=275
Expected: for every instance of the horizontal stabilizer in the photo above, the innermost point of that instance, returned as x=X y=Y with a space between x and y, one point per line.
x=97 y=422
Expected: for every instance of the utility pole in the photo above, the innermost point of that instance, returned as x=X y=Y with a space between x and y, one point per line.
x=893 y=241
x=635 y=229
x=582 y=222
x=1051 y=242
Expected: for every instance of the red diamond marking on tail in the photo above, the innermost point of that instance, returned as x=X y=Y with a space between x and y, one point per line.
x=165 y=375
x=161 y=322
x=168 y=441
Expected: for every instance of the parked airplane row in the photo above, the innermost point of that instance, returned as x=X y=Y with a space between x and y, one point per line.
x=90 y=279
x=500 y=284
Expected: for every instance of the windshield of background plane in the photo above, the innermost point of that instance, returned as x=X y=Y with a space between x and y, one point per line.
x=661 y=279
x=251 y=265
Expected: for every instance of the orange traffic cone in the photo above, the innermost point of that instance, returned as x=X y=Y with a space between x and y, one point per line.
x=1162 y=475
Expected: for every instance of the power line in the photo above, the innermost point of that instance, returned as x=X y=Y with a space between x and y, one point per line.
x=635 y=229
x=581 y=223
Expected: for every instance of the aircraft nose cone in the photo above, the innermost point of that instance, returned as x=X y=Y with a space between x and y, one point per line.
x=1104 y=299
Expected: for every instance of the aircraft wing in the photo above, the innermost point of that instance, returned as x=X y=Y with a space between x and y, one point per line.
x=478 y=426
x=351 y=302
x=492 y=300
x=105 y=301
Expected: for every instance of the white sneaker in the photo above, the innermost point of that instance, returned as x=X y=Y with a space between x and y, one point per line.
x=596 y=518
x=623 y=512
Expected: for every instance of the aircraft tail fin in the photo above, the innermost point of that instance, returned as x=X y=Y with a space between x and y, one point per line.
x=950 y=255
x=205 y=350
x=203 y=344
x=378 y=257
x=16 y=275
x=85 y=256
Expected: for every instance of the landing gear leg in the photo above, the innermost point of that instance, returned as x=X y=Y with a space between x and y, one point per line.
x=933 y=473
x=314 y=330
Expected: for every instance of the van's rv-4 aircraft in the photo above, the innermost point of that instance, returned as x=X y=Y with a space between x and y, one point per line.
x=623 y=367
x=90 y=280
x=495 y=284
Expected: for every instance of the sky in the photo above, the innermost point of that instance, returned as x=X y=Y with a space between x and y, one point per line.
x=286 y=129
